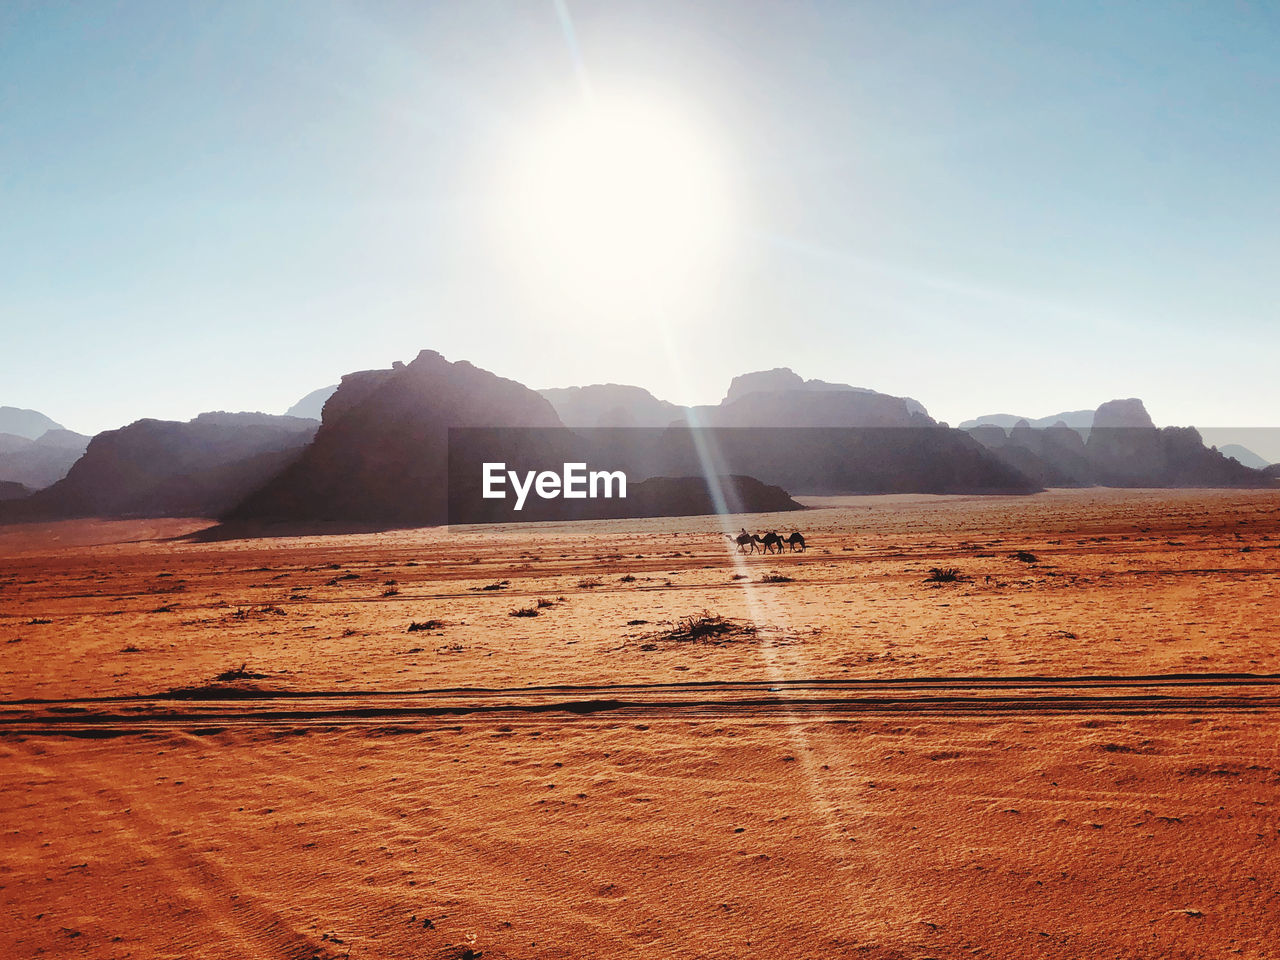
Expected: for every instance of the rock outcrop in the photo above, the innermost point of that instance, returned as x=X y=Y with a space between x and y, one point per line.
x=381 y=453
x=1128 y=414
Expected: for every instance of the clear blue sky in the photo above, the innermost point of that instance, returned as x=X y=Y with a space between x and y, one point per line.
x=992 y=207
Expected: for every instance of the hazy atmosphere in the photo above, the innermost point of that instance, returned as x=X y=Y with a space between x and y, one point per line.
x=225 y=206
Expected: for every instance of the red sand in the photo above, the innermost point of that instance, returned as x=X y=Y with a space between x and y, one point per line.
x=741 y=816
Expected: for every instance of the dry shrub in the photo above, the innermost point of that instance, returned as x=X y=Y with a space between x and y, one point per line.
x=707 y=627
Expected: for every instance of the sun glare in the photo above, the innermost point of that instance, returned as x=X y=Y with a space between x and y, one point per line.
x=615 y=199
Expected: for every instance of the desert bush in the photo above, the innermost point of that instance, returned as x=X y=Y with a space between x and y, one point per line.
x=942 y=575
x=706 y=627
x=525 y=612
x=241 y=672
x=417 y=625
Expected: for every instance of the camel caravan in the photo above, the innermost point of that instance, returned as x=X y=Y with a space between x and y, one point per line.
x=771 y=542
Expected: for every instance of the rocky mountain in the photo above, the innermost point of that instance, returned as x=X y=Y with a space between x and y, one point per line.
x=40 y=462
x=166 y=468
x=784 y=380
x=1243 y=455
x=1128 y=414
x=310 y=406
x=1078 y=419
x=765 y=398
x=610 y=405
x=807 y=436
x=807 y=407
x=1123 y=448
x=30 y=424
x=381 y=453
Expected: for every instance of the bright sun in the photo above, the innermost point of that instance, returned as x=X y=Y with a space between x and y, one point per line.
x=615 y=199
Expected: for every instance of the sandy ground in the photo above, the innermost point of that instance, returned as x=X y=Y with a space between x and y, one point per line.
x=872 y=765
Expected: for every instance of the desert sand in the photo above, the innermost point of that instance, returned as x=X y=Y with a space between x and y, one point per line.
x=242 y=749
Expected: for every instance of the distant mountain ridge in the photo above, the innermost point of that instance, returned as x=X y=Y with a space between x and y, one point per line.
x=40 y=462
x=1122 y=447
x=379 y=454
x=31 y=424
x=1078 y=419
x=785 y=380
x=167 y=468
x=765 y=398
x=1243 y=455
x=311 y=406
x=610 y=405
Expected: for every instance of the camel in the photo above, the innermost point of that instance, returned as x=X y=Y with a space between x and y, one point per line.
x=744 y=540
x=771 y=540
x=797 y=542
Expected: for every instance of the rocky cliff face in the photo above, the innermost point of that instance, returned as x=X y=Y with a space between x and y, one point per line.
x=165 y=468
x=381 y=453
x=1123 y=448
x=1128 y=414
